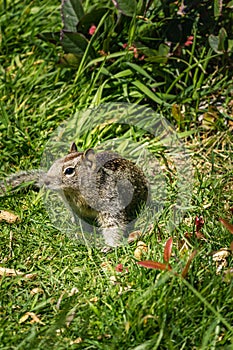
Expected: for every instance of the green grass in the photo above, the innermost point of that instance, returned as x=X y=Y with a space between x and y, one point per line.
x=79 y=299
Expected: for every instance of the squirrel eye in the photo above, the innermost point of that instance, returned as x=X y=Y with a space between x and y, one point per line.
x=69 y=171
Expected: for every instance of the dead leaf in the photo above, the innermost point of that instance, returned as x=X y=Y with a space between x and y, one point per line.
x=154 y=265
x=8 y=217
x=76 y=341
x=199 y=223
x=73 y=291
x=113 y=280
x=231 y=246
x=140 y=250
x=227 y=225
x=168 y=250
x=133 y=236
x=221 y=254
x=220 y=259
x=200 y=235
x=121 y=268
x=124 y=289
x=4 y=271
x=36 y=290
x=107 y=336
x=106 y=266
x=94 y=300
x=23 y=318
x=34 y=317
x=30 y=276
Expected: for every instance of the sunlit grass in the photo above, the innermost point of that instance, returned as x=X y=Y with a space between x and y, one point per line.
x=78 y=297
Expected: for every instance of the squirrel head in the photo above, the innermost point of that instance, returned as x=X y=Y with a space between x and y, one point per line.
x=68 y=170
x=75 y=159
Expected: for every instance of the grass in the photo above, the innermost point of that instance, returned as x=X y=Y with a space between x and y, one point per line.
x=77 y=299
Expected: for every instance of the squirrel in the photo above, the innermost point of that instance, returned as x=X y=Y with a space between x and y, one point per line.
x=103 y=189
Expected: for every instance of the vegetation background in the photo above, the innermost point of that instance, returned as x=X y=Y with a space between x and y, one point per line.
x=174 y=56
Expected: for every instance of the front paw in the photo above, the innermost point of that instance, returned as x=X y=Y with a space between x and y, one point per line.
x=112 y=236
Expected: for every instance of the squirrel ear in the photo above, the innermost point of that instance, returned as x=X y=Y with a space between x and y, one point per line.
x=73 y=148
x=89 y=157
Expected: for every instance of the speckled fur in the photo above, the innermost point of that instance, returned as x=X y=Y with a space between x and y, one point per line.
x=103 y=189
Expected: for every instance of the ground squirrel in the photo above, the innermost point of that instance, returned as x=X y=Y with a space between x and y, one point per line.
x=103 y=189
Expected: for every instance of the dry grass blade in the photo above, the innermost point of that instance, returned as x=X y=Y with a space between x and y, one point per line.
x=186 y=268
x=8 y=217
